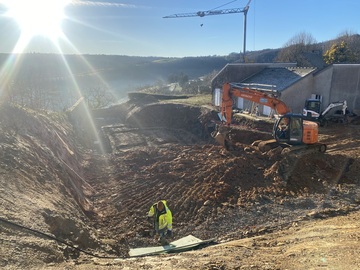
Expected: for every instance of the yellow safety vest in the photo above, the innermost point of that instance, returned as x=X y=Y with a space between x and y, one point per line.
x=164 y=217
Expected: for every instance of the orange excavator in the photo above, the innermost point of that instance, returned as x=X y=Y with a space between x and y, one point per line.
x=289 y=129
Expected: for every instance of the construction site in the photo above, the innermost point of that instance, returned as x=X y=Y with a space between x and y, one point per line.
x=69 y=201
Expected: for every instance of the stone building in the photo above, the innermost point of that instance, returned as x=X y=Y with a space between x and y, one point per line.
x=292 y=84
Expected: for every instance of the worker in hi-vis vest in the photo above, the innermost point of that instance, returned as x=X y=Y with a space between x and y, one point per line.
x=162 y=217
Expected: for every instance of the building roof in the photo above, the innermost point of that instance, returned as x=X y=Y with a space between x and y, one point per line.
x=278 y=78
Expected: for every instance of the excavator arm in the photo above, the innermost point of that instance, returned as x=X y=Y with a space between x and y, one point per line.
x=230 y=91
x=289 y=129
x=343 y=104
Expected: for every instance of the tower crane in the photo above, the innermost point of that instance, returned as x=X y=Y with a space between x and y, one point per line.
x=218 y=12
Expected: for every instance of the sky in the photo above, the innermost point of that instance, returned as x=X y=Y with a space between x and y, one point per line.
x=137 y=27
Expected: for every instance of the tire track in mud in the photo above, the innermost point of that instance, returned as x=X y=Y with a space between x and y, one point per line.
x=202 y=183
x=196 y=189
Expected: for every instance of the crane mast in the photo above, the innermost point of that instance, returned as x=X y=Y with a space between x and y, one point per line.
x=218 y=12
x=246 y=9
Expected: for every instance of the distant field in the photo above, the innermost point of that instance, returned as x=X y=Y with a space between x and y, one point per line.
x=198 y=100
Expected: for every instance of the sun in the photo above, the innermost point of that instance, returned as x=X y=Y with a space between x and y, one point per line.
x=37 y=17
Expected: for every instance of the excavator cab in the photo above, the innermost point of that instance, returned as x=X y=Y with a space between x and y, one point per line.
x=312 y=109
x=289 y=129
x=292 y=129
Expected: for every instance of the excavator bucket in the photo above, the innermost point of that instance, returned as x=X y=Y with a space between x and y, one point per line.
x=219 y=137
x=222 y=138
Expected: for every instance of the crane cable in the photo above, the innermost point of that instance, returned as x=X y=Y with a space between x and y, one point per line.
x=223 y=5
x=220 y=7
x=34 y=231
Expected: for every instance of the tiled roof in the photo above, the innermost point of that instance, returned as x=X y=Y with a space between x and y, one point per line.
x=278 y=78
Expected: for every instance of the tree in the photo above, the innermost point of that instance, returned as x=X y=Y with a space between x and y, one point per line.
x=294 y=50
x=98 y=97
x=233 y=57
x=180 y=78
x=183 y=79
x=352 y=41
x=339 y=53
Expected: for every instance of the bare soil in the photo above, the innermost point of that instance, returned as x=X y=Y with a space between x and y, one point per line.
x=67 y=205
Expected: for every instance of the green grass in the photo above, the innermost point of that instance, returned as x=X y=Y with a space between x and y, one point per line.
x=198 y=100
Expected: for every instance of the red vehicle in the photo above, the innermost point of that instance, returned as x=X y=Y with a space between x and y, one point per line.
x=289 y=129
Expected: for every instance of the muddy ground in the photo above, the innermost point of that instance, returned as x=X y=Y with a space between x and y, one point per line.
x=66 y=204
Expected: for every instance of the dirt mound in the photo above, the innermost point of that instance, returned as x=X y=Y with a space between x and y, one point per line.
x=41 y=184
x=165 y=115
x=199 y=179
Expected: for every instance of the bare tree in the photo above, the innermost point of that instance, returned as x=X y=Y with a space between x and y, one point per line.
x=295 y=49
x=98 y=97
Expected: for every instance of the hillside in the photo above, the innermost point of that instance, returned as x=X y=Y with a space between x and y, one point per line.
x=109 y=67
x=121 y=71
x=115 y=70
x=46 y=81
x=65 y=205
